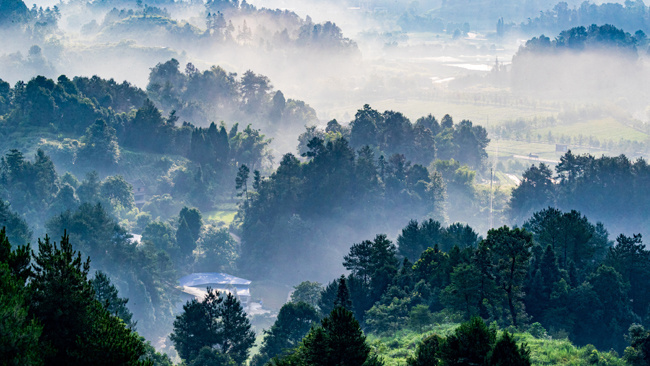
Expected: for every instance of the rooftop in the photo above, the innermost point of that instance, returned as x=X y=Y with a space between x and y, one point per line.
x=199 y=279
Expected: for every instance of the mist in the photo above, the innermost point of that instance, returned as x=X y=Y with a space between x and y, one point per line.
x=264 y=139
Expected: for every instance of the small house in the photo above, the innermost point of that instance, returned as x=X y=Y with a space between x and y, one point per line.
x=194 y=286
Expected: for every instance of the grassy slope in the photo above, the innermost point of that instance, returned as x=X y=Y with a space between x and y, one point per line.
x=394 y=350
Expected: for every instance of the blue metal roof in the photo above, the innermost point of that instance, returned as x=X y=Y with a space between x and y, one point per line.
x=198 y=279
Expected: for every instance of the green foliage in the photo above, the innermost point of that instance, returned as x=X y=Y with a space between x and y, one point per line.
x=397 y=349
x=388 y=318
x=338 y=341
x=506 y=352
x=600 y=188
x=158 y=359
x=107 y=295
x=144 y=274
x=76 y=327
x=294 y=320
x=511 y=248
x=211 y=357
x=190 y=224
x=535 y=192
x=580 y=38
x=101 y=147
x=392 y=133
x=217 y=250
x=327 y=297
x=19 y=232
x=472 y=343
x=427 y=352
x=469 y=344
x=161 y=235
x=197 y=96
x=372 y=265
x=19 y=332
x=216 y=322
x=117 y=192
x=307 y=292
x=17 y=260
x=284 y=220
x=463 y=293
x=343 y=295
x=419 y=317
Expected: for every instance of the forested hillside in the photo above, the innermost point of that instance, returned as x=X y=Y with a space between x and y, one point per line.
x=325 y=183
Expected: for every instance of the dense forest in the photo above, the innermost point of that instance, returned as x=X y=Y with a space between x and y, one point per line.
x=324 y=183
x=559 y=274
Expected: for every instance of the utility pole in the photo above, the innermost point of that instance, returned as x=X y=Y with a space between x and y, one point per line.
x=490 y=224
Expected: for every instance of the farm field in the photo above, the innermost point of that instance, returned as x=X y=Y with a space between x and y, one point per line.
x=602 y=129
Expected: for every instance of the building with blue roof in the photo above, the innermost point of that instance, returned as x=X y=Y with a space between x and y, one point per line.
x=194 y=286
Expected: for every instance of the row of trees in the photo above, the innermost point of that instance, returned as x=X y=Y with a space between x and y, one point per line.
x=580 y=38
x=296 y=338
x=337 y=193
x=558 y=270
x=601 y=188
x=629 y=15
x=102 y=117
x=421 y=142
x=200 y=96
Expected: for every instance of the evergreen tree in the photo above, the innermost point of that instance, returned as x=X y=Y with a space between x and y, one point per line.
x=217 y=322
x=19 y=332
x=511 y=248
x=241 y=182
x=327 y=298
x=211 y=357
x=307 y=292
x=343 y=295
x=237 y=338
x=294 y=321
x=507 y=353
x=101 y=147
x=190 y=224
x=427 y=353
x=338 y=341
x=107 y=295
x=76 y=327
x=197 y=326
x=469 y=344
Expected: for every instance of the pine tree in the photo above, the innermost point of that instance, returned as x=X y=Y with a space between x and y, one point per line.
x=427 y=353
x=507 y=353
x=338 y=341
x=107 y=295
x=343 y=295
x=76 y=327
x=217 y=322
x=19 y=333
x=469 y=344
x=197 y=326
x=237 y=336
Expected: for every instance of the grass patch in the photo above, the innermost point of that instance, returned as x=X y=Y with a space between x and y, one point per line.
x=225 y=216
x=602 y=129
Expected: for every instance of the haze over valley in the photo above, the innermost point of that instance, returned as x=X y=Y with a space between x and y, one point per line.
x=354 y=182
